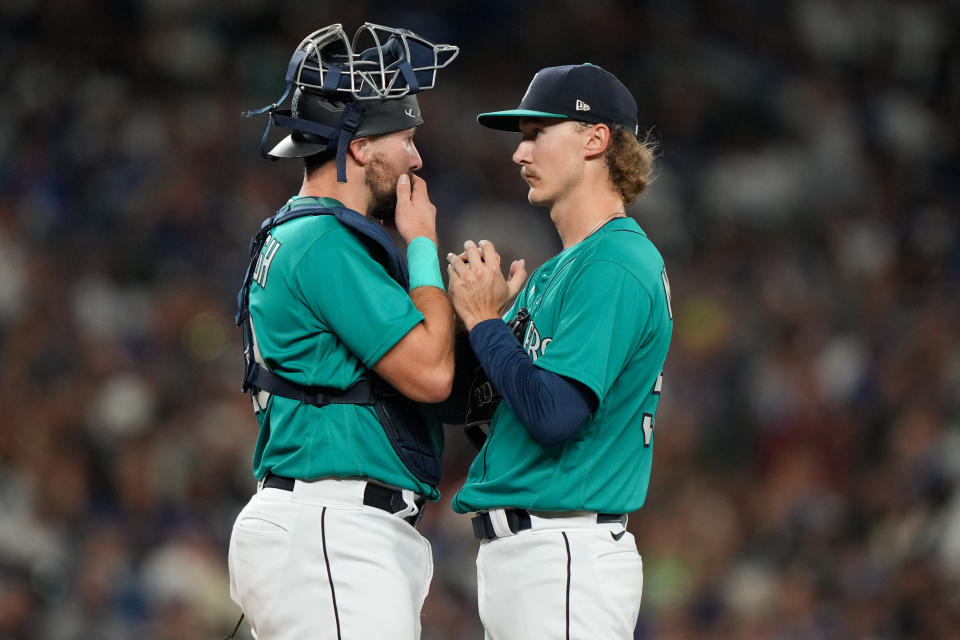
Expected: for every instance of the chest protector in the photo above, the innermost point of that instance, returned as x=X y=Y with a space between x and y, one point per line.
x=406 y=423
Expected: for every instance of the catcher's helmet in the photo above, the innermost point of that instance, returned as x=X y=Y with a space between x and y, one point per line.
x=340 y=94
x=382 y=116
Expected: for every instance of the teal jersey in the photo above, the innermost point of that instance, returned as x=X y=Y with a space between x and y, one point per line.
x=600 y=314
x=324 y=311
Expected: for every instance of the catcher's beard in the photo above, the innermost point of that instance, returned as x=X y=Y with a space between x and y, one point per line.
x=381 y=179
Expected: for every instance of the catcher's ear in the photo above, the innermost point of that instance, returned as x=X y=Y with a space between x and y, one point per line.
x=360 y=150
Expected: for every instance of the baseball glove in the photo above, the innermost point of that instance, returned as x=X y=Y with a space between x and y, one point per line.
x=482 y=397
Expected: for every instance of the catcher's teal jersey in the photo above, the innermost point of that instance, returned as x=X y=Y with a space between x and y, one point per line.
x=600 y=314
x=324 y=311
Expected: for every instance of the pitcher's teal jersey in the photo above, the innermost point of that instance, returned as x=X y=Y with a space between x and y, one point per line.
x=599 y=314
x=324 y=311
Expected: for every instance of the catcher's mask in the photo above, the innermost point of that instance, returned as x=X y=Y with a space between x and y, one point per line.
x=339 y=94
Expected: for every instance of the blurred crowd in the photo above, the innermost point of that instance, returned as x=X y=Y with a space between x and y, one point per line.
x=806 y=478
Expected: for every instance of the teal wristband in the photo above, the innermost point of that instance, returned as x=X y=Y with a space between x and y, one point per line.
x=424 y=263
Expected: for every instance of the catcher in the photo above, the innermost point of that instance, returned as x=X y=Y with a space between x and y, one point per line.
x=346 y=351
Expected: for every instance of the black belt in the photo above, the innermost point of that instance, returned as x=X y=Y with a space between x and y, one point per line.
x=374 y=495
x=519 y=520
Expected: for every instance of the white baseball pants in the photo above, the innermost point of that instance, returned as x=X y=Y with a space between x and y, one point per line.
x=316 y=563
x=566 y=578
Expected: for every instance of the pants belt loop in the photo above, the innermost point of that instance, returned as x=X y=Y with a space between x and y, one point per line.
x=411 y=508
x=498 y=518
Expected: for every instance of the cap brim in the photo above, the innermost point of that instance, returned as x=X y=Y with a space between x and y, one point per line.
x=510 y=120
x=290 y=148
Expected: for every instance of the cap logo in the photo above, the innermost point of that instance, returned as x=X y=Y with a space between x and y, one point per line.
x=409 y=112
x=529 y=86
x=582 y=106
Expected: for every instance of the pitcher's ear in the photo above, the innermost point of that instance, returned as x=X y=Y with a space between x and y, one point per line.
x=597 y=139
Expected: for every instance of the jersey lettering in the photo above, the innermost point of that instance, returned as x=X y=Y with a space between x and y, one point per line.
x=267 y=253
x=533 y=343
x=647 y=429
x=648 y=417
x=666 y=290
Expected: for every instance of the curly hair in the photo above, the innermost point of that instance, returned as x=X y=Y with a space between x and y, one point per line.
x=629 y=161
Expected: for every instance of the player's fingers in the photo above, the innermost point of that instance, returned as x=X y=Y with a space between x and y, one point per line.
x=418 y=188
x=473 y=253
x=518 y=275
x=456 y=265
x=403 y=188
x=488 y=252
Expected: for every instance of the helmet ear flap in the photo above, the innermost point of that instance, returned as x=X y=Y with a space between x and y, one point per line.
x=312 y=107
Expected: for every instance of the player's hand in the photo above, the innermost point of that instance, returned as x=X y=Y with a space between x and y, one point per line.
x=515 y=279
x=477 y=287
x=416 y=215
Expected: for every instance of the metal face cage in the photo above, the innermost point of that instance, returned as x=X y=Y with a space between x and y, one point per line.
x=380 y=62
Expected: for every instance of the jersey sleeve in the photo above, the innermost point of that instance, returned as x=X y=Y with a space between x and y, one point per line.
x=354 y=296
x=602 y=316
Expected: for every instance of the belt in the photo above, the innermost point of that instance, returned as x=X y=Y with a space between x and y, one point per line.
x=374 y=495
x=519 y=520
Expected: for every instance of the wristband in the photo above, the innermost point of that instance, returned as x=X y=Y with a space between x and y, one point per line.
x=424 y=263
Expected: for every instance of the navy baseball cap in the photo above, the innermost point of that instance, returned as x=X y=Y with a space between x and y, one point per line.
x=584 y=92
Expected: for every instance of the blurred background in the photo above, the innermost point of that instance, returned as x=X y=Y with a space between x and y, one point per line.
x=807 y=466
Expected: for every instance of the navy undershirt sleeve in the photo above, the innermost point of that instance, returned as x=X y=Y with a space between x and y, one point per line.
x=551 y=406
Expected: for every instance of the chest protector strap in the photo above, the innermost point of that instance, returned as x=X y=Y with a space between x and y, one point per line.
x=405 y=422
